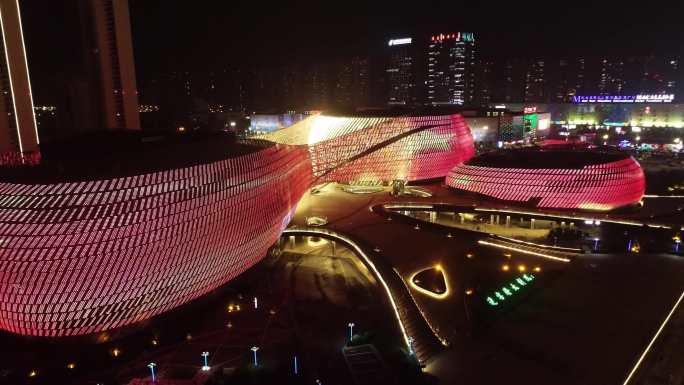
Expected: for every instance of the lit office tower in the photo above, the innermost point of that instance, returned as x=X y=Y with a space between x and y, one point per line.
x=109 y=38
x=451 y=69
x=18 y=133
x=536 y=82
x=401 y=72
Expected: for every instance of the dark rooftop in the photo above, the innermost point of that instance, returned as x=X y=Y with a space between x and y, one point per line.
x=106 y=155
x=559 y=157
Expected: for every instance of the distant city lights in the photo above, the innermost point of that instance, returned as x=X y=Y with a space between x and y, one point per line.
x=458 y=36
x=148 y=108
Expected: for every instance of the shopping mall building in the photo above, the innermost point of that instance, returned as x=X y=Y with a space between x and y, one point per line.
x=117 y=229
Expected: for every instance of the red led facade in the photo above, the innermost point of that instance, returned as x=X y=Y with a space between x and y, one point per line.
x=83 y=257
x=604 y=186
x=376 y=149
x=9 y=159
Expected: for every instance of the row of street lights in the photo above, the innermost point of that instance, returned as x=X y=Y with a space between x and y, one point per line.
x=205 y=367
x=254 y=349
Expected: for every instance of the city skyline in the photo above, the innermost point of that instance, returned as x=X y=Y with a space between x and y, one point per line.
x=182 y=37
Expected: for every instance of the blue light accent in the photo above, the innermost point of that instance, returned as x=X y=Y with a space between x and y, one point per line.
x=151 y=365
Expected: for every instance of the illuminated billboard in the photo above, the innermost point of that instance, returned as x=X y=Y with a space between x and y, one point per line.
x=657 y=98
x=402 y=41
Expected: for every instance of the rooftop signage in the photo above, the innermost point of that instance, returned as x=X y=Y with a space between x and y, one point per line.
x=458 y=36
x=658 y=98
x=402 y=41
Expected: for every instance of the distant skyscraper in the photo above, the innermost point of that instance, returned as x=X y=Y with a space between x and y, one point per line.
x=535 y=82
x=401 y=72
x=320 y=85
x=484 y=78
x=451 y=69
x=660 y=75
x=352 y=82
x=511 y=88
x=18 y=128
x=612 y=77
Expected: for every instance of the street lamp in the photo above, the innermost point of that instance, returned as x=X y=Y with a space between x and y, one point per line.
x=151 y=365
x=296 y=366
x=677 y=241
x=254 y=350
x=256 y=303
x=351 y=330
x=206 y=367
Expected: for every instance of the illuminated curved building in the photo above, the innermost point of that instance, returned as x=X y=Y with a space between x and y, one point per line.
x=89 y=243
x=86 y=256
x=381 y=147
x=553 y=178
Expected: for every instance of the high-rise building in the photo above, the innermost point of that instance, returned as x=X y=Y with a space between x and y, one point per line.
x=535 y=82
x=512 y=85
x=484 y=78
x=564 y=79
x=18 y=128
x=100 y=88
x=660 y=75
x=318 y=86
x=113 y=49
x=402 y=67
x=451 y=69
x=612 y=77
x=352 y=82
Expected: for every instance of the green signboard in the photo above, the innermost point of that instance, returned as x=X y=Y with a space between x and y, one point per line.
x=509 y=290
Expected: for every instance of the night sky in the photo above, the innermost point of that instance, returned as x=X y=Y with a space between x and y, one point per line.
x=196 y=35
